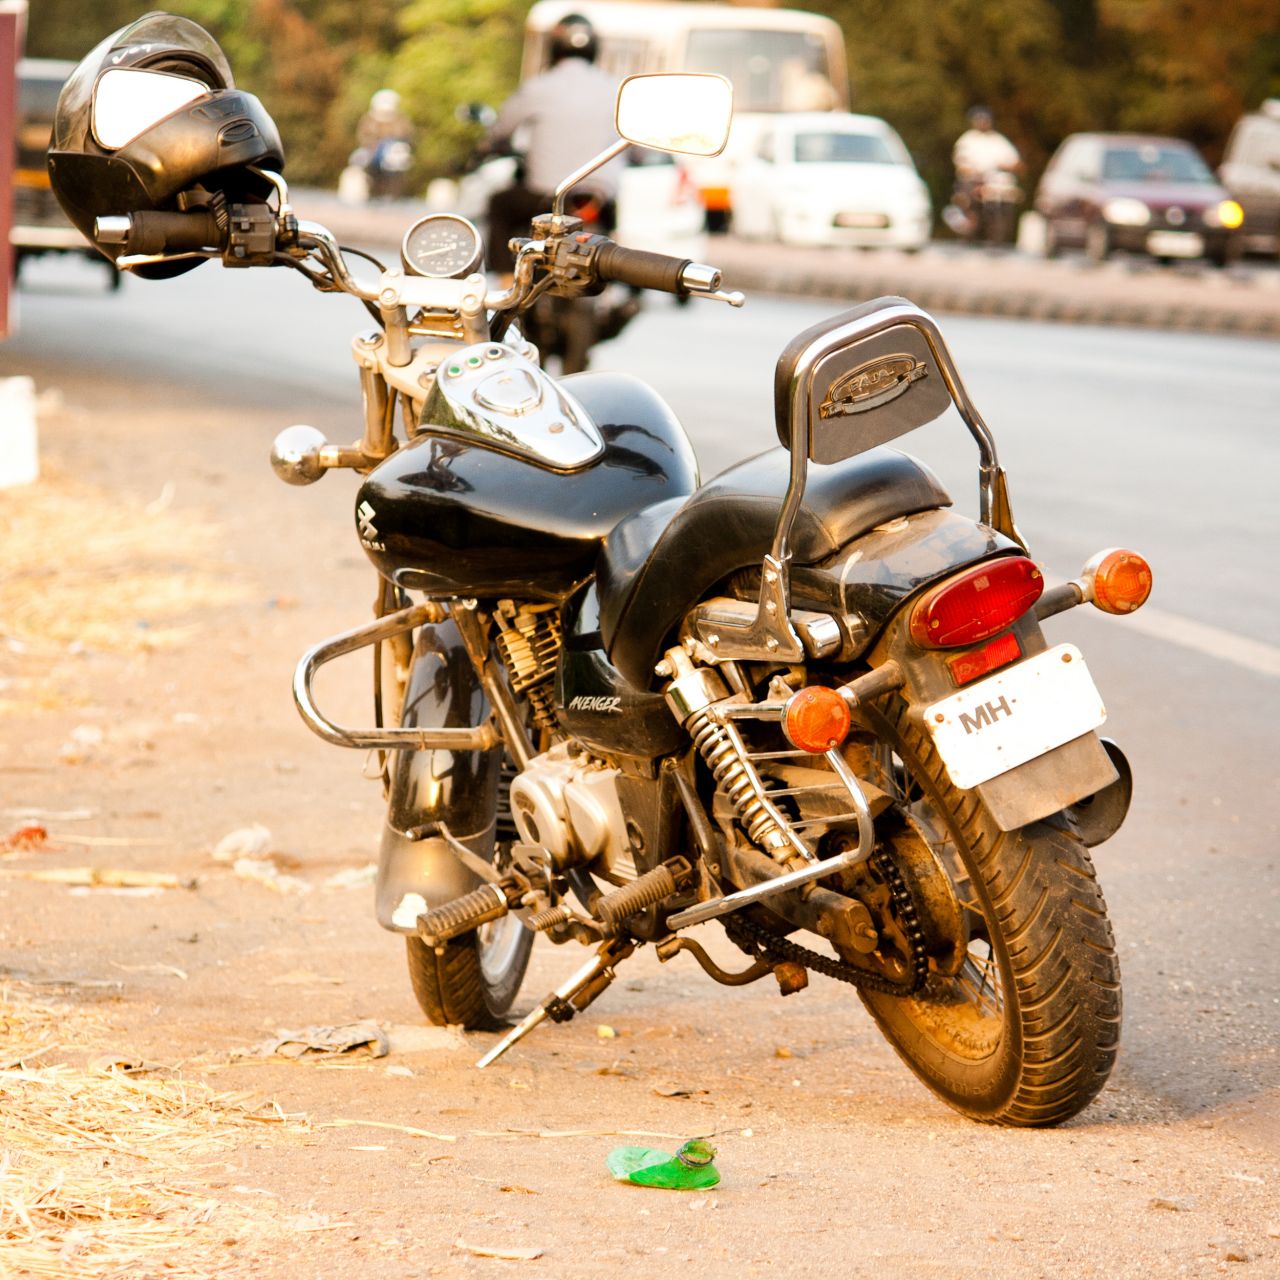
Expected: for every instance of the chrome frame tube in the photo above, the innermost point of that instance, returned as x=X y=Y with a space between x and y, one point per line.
x=475 y=739
x=789 y=880
x=596 y=162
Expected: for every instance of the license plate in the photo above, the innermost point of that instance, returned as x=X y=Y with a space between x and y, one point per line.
x=1175 y=244
x=1015 y=716
x=862 y=221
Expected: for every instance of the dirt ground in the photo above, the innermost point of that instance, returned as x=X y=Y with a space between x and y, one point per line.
x=159 y=585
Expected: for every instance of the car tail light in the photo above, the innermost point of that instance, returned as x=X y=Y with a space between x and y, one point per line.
x=816 y=719
x=997 y=653
x=1119 y=580
x=977 y=604
x=685 y=191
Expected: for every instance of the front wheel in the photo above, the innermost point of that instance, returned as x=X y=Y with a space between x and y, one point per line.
x=1020 y=1023
x=472 y=980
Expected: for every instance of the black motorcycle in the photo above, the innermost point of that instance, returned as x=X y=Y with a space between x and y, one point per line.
x=806 y=699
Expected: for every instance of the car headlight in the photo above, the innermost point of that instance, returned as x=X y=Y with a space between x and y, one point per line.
x=1126 y=211
x=1226 y=213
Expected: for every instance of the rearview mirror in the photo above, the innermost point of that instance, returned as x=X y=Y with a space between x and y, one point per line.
x=687 y=114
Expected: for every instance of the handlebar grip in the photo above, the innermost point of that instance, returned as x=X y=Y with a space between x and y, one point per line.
x=641 y=268
x=156 y=233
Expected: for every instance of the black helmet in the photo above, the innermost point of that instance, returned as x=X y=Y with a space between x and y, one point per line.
x=573 y=37
x=150 y=113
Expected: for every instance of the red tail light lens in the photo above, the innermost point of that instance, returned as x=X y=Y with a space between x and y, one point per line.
x=977 y=604
x=1121 y=580
x=816 y=719
x=997 y=653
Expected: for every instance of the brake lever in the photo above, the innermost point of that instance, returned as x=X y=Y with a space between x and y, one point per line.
x=734 y=297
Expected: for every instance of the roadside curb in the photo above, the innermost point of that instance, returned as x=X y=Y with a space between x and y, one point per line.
x=971 y=282
x=1035 y=291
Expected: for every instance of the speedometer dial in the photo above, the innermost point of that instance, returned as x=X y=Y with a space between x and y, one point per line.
x=443 y=245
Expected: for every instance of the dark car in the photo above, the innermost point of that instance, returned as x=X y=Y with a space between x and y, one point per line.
x=1109 y=191
x=1250 y=170
x=39 y=225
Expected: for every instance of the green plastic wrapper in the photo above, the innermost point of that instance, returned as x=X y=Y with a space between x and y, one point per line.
x=690 y=1169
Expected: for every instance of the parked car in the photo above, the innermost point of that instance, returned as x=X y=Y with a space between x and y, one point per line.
x=39 y=225
x=1143 y=194
x=1250 y=170
x=830 y=178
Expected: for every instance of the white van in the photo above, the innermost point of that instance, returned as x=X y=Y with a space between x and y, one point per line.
x=776 y=59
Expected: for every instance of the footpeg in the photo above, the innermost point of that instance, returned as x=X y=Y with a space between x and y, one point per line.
x=488 y=902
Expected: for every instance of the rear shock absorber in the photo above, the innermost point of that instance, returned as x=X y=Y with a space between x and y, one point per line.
x=690 y=696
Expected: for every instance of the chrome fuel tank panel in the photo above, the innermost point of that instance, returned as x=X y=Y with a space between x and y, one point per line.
x=492 y=391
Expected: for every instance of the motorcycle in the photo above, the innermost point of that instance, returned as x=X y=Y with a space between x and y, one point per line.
x=985 y=210
x=806 y=699
x=564 y=329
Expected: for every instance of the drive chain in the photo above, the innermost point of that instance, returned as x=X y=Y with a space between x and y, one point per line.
x=749 y=936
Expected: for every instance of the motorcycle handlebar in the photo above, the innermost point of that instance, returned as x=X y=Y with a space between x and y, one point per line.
x=150 y=232
x=647 y=270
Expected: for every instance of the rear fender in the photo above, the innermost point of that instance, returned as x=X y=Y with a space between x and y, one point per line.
x=1068 y=775
x=869 y=579
x=457 y=788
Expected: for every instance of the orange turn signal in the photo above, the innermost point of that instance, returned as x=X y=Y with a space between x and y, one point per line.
x=816 y=719
x=1120 y=580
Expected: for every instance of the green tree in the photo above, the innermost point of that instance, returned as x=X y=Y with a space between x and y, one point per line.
x=454 y=52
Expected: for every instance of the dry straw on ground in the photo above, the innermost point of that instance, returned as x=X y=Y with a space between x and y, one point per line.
x=85 y=570
x=96 y=1164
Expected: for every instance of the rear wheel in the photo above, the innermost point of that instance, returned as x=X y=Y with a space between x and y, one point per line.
x=1019 y=1020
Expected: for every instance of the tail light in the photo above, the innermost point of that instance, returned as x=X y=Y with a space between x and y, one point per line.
x=816 y=719
x=977 y=604
x=1118 y=580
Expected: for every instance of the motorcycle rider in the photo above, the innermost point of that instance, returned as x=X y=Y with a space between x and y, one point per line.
x=981 y=155
x=384 y=152
x=564 y=116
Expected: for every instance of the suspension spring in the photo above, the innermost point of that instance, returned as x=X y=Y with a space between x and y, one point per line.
x=734 y=776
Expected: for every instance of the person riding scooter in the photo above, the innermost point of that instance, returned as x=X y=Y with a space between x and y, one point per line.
x=986 y=189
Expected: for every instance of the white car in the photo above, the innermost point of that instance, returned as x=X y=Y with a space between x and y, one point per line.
x=830 y=178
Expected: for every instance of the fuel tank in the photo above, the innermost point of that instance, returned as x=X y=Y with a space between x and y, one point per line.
x=461 y=512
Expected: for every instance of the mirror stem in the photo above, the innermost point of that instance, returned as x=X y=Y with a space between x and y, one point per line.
x=557 y=204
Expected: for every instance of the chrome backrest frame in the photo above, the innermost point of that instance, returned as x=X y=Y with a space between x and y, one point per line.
x=892 y=312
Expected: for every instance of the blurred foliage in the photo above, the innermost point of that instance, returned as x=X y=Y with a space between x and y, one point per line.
x=1046 y=67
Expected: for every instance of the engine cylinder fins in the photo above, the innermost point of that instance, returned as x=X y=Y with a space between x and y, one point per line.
x=529 y=642
x=732 y=774
x=437 y=926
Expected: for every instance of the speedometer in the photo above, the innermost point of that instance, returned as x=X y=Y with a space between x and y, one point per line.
x=442 y=245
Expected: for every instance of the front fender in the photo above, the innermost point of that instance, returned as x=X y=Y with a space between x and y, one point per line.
x=458 y=788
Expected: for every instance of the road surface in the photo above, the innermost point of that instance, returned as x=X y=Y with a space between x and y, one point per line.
x=158 y=406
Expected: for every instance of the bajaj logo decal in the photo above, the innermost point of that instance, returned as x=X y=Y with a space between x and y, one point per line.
x=872 y=384
x=595 y=702
x=368 y=531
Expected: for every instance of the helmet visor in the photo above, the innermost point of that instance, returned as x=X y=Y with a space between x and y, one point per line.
x=128 y=102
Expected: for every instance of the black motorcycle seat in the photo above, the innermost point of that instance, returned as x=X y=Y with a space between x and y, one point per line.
x=657 y=563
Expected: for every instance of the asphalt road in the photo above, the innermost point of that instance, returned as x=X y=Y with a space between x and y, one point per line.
x=1158 y=441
